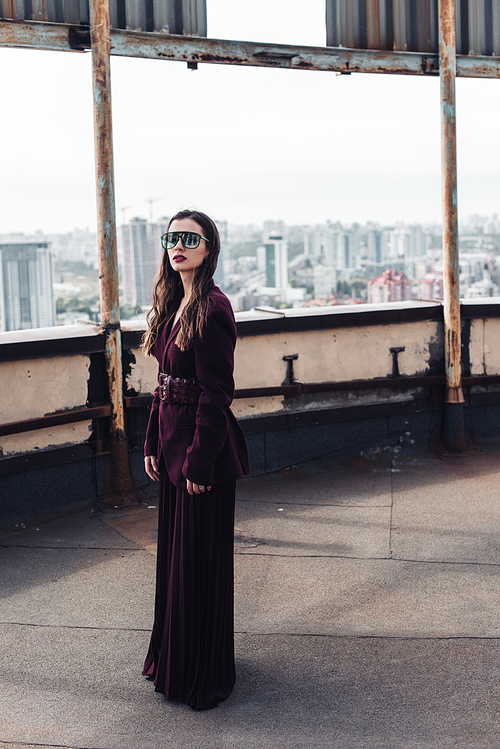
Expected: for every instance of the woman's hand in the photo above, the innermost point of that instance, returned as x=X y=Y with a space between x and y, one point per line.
x=151 y=467
x=196 y=488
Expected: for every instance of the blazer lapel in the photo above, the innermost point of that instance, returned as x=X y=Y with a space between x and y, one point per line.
x=171 y=336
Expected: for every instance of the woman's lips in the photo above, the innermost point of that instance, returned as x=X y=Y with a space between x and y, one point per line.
x=179 y=258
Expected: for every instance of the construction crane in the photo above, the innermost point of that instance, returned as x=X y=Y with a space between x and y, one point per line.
x=125 y=208
x=151 y=201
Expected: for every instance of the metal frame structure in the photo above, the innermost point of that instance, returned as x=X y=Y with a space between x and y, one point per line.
x=104 y=41
x=454 y=399
x=107 y=240
x=60 y=37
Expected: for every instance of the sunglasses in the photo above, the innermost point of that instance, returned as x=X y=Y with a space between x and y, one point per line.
x=190 y=240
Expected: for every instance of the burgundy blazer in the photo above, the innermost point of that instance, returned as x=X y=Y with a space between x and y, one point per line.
x=201 y=442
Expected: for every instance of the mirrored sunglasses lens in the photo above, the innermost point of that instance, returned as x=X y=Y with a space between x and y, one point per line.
x=171 y=239
x=190 y=240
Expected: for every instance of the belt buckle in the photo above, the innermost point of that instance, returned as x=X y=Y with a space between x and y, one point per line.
x=165 y=386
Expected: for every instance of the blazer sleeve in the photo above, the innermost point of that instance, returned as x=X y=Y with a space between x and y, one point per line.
x=153 y=428
x=214 y=359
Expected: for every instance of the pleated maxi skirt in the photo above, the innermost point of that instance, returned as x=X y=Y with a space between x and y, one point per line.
x=191 y=652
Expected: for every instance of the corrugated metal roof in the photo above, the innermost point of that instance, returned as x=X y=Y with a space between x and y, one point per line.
x=171 y=16
x=412 y=25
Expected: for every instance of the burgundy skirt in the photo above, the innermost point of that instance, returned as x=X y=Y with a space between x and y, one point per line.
x=191 y=653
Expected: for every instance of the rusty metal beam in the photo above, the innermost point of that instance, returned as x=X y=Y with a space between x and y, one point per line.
x=254 y=54
x=454 y=398
x=106 y=230
x=57 y=419
x=159 y=46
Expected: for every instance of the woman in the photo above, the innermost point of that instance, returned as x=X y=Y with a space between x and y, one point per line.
x=196 y=450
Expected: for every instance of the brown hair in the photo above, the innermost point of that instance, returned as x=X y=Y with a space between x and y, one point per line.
x=168 y=286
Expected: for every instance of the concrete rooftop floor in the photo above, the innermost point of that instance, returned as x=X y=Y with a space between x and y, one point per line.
x=367 y=615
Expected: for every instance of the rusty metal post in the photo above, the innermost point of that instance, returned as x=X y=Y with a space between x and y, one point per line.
x=454 y=431
x=106 y=227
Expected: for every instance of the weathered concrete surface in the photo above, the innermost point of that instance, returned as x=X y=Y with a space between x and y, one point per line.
x=367 y=615
x=464 y=528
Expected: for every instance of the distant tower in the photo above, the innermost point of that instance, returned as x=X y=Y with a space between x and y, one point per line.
x=276 y=262
x=220 y=271
x=26 y=299
x=378 y=246
x=261 y=259
x=418 y=242
x=325 y=281
x=376 y=252
x=343 y=249
x=141 y=257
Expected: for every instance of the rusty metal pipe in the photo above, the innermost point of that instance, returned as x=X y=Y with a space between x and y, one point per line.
x=454 y=429
x=106 y=229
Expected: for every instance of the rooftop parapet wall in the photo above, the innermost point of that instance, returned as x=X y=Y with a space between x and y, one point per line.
x=56 y=375
x=484 y=346
x=36 y=387
x=328 y=350
x=45 y=372
x=346 y=392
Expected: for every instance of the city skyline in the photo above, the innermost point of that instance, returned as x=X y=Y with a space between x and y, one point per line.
x=254 y=142
x=491 y=221
x=272 y=264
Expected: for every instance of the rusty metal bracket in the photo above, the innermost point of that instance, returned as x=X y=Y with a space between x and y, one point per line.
x=290 y=377
x=430 y=65
x=79 y=38
x=395 y=350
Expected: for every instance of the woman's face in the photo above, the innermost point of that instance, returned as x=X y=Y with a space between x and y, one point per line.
x=182 y=259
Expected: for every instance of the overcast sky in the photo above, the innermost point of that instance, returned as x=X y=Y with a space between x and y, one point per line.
x=243 y=144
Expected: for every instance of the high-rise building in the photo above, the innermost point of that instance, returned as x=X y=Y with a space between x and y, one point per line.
x=398 y=244
x=430 y=287
x=346 y=249
x=26 y=299
x=314 y=241
x=261 y=259
x=391 y=286
x=141 y=252
x=276 y=262
x=274 y=227
x=377 y=246
x=403 y=243
x=483 y=288
x=419 y=242
x=325 y=281
x=472 y=265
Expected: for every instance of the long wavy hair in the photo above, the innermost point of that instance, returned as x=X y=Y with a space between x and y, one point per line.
x=168 y=287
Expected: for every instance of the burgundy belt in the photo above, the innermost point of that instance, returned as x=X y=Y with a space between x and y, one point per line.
x=177 y=390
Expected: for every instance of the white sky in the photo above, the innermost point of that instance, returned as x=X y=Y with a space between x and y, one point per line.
x=243 y=144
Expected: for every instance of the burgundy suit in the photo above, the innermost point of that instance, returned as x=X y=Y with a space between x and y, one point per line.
x=201 y=442
x=191 y=652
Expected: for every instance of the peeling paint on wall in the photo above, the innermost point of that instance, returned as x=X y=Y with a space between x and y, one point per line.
x=37 y=387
